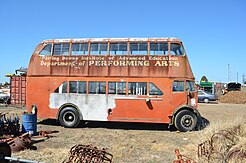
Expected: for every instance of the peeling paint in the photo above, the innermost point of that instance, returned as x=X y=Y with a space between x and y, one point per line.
x=92 y=107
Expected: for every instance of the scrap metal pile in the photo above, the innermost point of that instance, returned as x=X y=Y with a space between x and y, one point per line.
x=220 y=147
x=88 y=154
x=9 y=125
x=19 y=143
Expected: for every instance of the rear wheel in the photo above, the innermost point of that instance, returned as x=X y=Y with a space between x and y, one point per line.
x=69 y=117
x=206 y=100
x=185 y=120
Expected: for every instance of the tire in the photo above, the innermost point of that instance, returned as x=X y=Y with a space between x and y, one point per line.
x=206 y=100
x=185 y=120
x=69 y=117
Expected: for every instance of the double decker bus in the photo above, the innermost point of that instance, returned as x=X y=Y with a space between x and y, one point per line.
x=113 y=79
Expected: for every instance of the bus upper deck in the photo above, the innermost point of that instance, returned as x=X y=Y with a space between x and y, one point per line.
x=122 y=57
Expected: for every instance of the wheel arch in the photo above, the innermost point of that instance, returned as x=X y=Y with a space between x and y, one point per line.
x=185 y=107
x=69 y=105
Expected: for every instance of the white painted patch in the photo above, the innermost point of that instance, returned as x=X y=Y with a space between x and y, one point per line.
x=92 y=107
x=193 y=102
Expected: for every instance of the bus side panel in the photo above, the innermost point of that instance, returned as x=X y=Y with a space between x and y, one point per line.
x=38 y=94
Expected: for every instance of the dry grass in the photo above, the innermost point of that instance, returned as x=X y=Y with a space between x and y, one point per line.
x=239 y=138
x=140 y=144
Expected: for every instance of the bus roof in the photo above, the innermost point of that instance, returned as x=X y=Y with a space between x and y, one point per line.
x=110 y=39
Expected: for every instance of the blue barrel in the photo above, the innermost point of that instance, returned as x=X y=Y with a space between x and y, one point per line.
x=29 y=123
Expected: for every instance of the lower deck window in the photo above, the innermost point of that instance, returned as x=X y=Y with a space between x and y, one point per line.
x=117 y=88
x=97 y=87
x=178 y=86
x=137 y=88
x=154 y=90
x=62 y=88
x=77 y=87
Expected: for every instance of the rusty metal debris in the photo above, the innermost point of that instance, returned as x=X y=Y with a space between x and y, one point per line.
x=218 y=148
x=181 y=159
x=25 y=141
x=9 y=125
x=5 y=150
x=88 y=154
x=19 y=143
x=46 y=133
x=5 y=155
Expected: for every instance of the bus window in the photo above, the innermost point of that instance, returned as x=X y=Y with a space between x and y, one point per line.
x=190 y=86
x=176 y=49
x=118 y=48
x=62 y=88
x=139 y=48
x=178 y=86
x=99 y=49
x=82 y=87
x=117 y=88
x=77 y=87
x=80 y=49
x=137 y=88
x=158 y=48
x=154 y=90
x=97 y=87
x=46 y=50
x=61 y=49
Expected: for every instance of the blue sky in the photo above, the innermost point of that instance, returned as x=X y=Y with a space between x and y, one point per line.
x=213 y=32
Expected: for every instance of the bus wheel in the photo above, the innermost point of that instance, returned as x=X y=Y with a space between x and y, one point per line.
x=185 y=120
x=69 y=117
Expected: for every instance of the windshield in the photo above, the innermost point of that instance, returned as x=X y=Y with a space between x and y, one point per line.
x=190 y=86
x=176 y=49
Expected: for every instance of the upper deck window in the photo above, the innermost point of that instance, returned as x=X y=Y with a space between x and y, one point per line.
x=46 y=50
x=176 y=49
x=61 y=49
x=160 y=48
x=118 y=48
x=139 y=48
x=80 y=49
x=99 y=48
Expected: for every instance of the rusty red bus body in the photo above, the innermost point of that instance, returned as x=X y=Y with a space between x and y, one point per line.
x=115 y=79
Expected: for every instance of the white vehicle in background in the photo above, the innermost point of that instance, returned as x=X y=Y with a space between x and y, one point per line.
x=4 y=98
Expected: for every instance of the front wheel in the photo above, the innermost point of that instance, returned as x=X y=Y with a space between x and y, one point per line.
x=69 y=117
x=185 y=120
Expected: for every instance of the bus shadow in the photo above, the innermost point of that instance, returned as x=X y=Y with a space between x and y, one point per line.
x=50 y=122
x=126 y=125
x=202 y=123
x=113 y=125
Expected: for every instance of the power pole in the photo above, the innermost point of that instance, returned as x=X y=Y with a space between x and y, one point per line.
x=237 y=77
x=228 y=72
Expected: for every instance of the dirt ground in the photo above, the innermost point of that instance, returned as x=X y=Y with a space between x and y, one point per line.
x=127 y=142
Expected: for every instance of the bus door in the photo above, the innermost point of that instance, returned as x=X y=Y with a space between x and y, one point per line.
x=179 y=95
